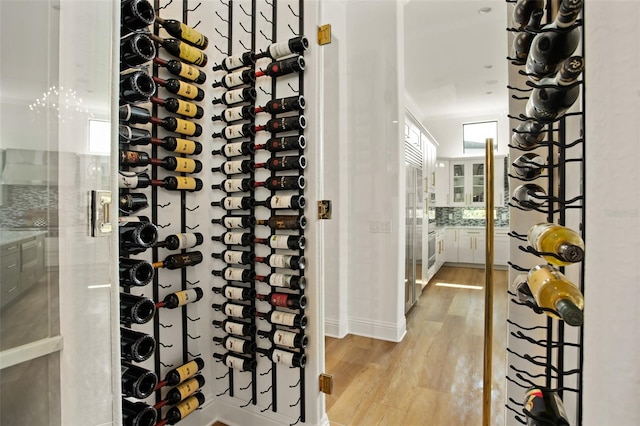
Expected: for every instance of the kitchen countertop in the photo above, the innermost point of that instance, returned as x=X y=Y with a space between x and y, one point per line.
x=13 y=236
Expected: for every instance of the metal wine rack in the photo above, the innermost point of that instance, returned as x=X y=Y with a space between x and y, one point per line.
x=542 y=352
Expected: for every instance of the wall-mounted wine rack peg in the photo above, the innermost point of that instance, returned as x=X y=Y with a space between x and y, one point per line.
x=553 y=358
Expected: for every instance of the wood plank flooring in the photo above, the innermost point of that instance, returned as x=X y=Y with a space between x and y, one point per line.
x=434 y=376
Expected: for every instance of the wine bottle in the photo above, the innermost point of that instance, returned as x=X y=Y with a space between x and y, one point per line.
x=235 y=310
x=138 y=414
x=136 y=346
x=135 y=50
x=286 y=143
x=184 y=32
x=136 y=309
x=284 y=222
x=278 y=106
x=181 y=298
x=235 y=344
x=283 y=261
x=182 y=241
x=235 y=149
x=235 y=203
x=231 y=63
x=285 y=48
x=235 y=167
x=136 y=86
x=135 y=272
x=528 y=135
x=236 y=131
x=238 y=257
x=283 y=182
x=137 y=382
x=182 y=391
x=235 y=238
x=235 y=274
x=233 y=292
x=544 y=407
x=232 y=97
x=235 y=185
x=553 y=290
x=135 y=136
x=236 y=327
x=132 y=203
x=562 y=241
x=181 y=260
x=235 y=222
x=293 y=162
x=294 y=282
x=183 y=409
x=133 y=114
x=528 y=166
x=180 y=69
x=529 y=196
x=238 y=113
x=174 y=164
x=522 y=41
x=235 y=79
x=182 y=50
x=136 y=234
x=182 y=373
x=291 y=242
x=180 y=88
x=179 y=107
x=237 y=362
x=285 y=318
x=557 y=41
x=520 y=288
x=286 y=338
x=550 y=102
x=524 y=10
x=135 y=15
x=288 y=358
x=284 y=202
x=283 y=124
x=172 y=183
x=283 y=67
x=284 y=300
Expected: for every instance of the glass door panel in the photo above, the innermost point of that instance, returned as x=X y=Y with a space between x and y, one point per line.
x=477 y=189
x=458 y=184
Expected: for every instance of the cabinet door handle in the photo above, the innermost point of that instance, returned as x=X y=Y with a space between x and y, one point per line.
x=471 y=244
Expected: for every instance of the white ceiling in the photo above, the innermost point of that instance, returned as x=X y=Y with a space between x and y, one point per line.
x=454 y=55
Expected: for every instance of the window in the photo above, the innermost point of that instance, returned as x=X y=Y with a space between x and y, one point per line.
x=474 y=136
x=99 y=137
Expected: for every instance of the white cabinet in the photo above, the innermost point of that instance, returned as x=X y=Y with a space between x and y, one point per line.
x=467 y=183
x=451 y=240
x=430 y=164
x=471 y=247
x=500 y=247
x=468 y=245
x=442 y=183
x=440 y=248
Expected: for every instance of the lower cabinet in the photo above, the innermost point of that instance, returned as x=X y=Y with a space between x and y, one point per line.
x=471 y=248
x=500 y=247
x=451 y=236
x=440 y=249
x=468 y=245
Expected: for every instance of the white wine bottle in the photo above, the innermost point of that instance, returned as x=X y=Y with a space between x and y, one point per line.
x=557 y=239
x=553 y=290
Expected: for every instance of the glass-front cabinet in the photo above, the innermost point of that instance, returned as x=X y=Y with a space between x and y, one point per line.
x=467 y=184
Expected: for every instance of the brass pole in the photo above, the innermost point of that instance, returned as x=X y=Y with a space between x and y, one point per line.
x=488 y=287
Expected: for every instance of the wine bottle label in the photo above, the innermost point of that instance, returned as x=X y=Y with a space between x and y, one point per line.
x=186 y=240
x=235 y=78
x=283 y=318
x=233 y=223
x=185 y=146
x=279 y=241
x=233 y=114
x=231 y=256
x=233 y=328
x=187 y=90
x=131 y=158
x=233 y=203
x=188 y=406
x=282 y=357
x=279 y=299
x=536 y=232
x=128 y=180
x=280 y=261
x=284 y=338
x=187 y=370
x=185 y=182
x=187 y=388
x=129 y=219
x=232 y=167
x=191 y=54
x=186 y=108
x=234 y=362
x=185 y=127
x=233 y=185
x=191 y=35
x=281 y=201
x=233 y=149
x=233 y=310
x=233 y=96
x=233 y=274
x=233 y=62
x=185 y=165
x=234 y=344
x=233 y=238
x=189 y=72
x=186 y=296
x=278 y=50
x=234 y=293
x=280 y=280
x=234 y=132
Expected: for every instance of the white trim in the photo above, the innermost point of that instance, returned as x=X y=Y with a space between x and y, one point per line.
x=382 y=330
x=335 y=328
x=30 y=351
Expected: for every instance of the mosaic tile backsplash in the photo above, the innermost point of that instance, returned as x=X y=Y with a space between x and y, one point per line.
x=25 y=204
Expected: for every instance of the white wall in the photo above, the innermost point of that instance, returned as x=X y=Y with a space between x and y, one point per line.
x=612 y=293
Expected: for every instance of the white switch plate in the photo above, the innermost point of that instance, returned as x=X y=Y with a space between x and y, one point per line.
x=380 y=226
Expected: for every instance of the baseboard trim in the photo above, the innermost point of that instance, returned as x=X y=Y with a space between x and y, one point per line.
x=334 y=328
x=382 y=330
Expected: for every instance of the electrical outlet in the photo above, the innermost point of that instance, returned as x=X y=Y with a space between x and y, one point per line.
x=450 y=216
x=380 y=226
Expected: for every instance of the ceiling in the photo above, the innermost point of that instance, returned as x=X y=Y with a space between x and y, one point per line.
x=455 y=57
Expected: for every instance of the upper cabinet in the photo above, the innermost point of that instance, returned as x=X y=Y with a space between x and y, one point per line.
x=461 y=182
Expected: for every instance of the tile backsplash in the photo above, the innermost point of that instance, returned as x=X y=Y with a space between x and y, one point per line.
x=29 y=205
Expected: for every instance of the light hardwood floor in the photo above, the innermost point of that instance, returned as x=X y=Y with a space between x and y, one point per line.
x=434 y=376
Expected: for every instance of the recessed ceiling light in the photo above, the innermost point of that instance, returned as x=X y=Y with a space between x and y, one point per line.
x=488 y=93
x=491 y=82
x=488 y=67
x=484 y=10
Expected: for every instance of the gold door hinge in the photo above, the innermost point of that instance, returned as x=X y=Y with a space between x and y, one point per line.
x=324 y=34
x=326 y=383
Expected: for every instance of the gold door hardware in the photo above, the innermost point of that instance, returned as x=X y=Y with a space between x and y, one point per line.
x=326 y=383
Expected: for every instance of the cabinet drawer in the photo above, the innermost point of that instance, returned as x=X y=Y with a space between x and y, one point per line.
x=9 y=278
x=9 y=249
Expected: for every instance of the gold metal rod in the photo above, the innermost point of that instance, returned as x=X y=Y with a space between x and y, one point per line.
x=488 y=287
